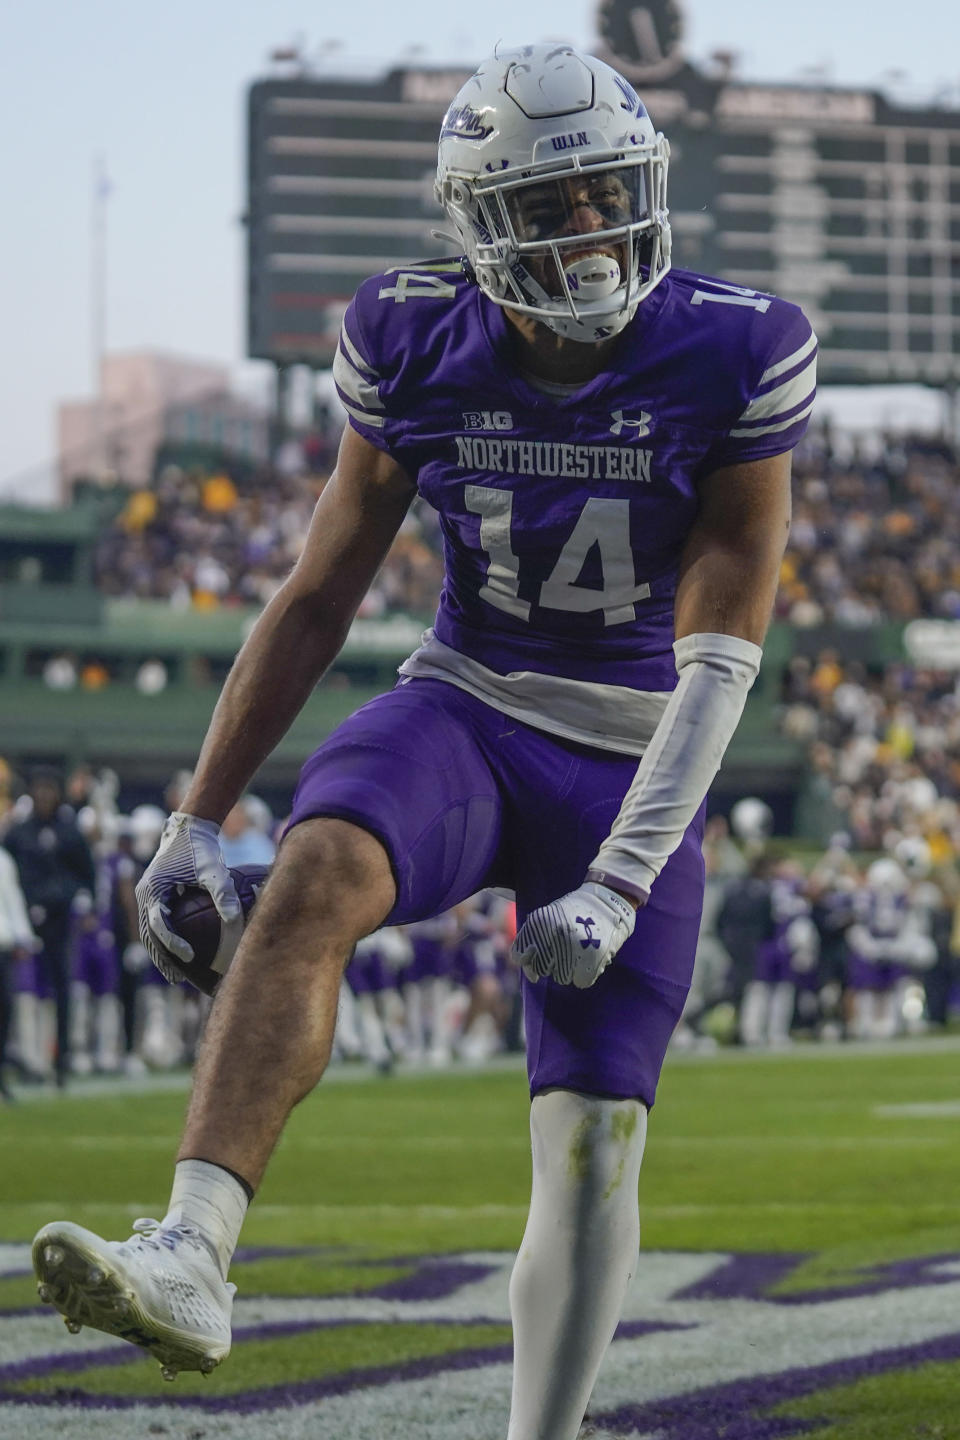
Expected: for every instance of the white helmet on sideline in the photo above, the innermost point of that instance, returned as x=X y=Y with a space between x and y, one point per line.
x=145 y=827
x=535 y=138
x=886 y=877
x=752 y=820
x=915 y=855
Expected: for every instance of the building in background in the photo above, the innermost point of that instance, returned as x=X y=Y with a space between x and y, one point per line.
x=149 y=399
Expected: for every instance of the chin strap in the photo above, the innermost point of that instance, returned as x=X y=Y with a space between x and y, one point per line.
x=716 y=673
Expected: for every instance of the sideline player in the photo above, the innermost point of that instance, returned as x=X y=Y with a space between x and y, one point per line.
x=607 y=445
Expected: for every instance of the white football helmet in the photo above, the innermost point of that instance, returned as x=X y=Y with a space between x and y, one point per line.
x=556 y=180
x=914 y=855
x=752 y=820
x=886 y=877
x=145 y=826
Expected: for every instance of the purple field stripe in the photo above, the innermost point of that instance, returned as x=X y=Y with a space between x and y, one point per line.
x=43 y=1365
x=272 y=1397
x=431 y=1279
x=247 y=1254
x=894 y=1275
x=752 y=1277
x=743 y=1277
x=132 y=1354
x=721 y=1412
x=429 y=1282
x=278 y=1396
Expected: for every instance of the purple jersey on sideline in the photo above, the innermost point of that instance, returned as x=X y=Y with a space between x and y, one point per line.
x=118 y=869
x=775 y=957
x=883 y=918
x=564 y=517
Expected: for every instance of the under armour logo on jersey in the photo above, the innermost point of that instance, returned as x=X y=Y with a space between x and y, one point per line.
x=591 y=939
x=640 y=426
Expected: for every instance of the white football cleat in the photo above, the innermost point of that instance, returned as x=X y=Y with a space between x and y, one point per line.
x=161 y=1289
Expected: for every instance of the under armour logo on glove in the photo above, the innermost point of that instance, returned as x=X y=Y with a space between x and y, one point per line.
x=189 y=854
x=551 y=942
x=588 y=925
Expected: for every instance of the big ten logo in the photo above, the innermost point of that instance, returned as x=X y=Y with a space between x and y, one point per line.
x=487 y=420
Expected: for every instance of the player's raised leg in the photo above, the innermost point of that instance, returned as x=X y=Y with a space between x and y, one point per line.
x=267 y=1044
x=275 y=1014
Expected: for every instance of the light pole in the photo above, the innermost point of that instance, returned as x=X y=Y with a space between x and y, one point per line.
x=98 y=298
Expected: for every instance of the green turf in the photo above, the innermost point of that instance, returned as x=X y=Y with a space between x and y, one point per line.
x=901 y=1406
x=796 y=1153
x=742 y=1153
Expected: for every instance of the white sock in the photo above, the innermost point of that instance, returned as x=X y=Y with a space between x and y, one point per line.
x=782 y=1004
x=347 y=1032
x=754 y=1013
x=413 y=1002
x=579 y=1254
x=371 y=1028
x=211 y=1198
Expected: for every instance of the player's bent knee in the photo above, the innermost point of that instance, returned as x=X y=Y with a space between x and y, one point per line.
x=329 y=874
x=588 y=1143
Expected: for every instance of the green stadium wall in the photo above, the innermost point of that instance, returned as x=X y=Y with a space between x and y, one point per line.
x=144 y=737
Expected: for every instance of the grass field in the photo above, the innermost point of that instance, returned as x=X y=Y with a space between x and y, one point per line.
x=801 y=1269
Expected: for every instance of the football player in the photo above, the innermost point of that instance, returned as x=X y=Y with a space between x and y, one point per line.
x=607 y=444
x=890 y=939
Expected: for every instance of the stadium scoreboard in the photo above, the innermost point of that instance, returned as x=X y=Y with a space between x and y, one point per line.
x=835 y=198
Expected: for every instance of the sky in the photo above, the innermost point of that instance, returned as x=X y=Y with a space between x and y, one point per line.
x=158 y=91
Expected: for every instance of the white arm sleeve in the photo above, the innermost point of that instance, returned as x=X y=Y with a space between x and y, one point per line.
x=716 y=672
x=15 y=927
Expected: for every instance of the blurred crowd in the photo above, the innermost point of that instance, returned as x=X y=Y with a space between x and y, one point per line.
x=829 y=947
x=77 y=990
x=78 y=993
x=875 y=533
x=204 y=540
x=832 y=948
x=883 y=747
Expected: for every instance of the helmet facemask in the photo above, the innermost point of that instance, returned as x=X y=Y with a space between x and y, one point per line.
x=556 y=180
x=577 y=246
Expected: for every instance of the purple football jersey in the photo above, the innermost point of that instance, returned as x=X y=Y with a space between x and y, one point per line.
x=564 y=516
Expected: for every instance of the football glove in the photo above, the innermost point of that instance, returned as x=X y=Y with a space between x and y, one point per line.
x=573 y=939
x=189 y=854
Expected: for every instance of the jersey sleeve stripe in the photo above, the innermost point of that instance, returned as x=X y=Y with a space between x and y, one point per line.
x=752 y=432
x=790 y=361
x=354 y=386
x=783 y=397
x=364 y=416
x=353 y=354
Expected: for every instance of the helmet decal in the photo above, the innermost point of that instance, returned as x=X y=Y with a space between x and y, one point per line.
x=466 y=123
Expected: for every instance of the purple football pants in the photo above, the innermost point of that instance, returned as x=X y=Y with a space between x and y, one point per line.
x=95 y=962
x=464 y=797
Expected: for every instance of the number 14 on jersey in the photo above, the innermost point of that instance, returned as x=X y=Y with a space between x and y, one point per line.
x=602 y=522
